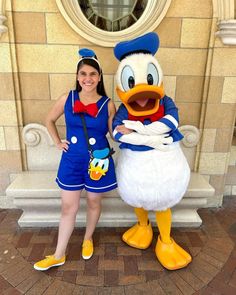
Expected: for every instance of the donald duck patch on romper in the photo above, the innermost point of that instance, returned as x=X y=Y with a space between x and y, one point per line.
x=152 y=171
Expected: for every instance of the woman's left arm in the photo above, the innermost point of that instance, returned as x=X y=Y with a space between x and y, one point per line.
x=111 y=114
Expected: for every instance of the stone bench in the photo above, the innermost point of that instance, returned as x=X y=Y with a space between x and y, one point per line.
x=36 y=193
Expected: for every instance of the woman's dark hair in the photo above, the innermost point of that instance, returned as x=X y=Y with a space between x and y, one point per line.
x=91 y=62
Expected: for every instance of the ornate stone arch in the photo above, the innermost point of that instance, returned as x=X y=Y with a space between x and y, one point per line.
x=151 y=17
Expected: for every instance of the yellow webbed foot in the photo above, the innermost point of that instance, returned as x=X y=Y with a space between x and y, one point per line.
x=139 y=236
x=172 y=256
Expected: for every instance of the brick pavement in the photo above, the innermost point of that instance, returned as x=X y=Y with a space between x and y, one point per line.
x=116 y=268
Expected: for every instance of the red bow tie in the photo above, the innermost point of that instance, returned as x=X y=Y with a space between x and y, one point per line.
x=90 y=109
x=153 y=118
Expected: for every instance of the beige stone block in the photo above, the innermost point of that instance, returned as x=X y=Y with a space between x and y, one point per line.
x=170 y=86
x=12 y=138
x=189 y=88
x=2 y=139
x=47 y=58
x=34 y=86
x=223 y=140
x=58 y=31
x=229 y=90
x=107 y=59
x=35 y=6
x=232 y=159
x=61 y=131
x=115 y=96
x=215 y=89
x=5 y=60
x=4 y=182
x=220 y=116
x=6 y=86
x=29 y=27
x=109 y=85
x=224 y=62
x=189 y=8
x=172 y=25
x=213 y=163
x=208 y=140
x=195 y=33
x=35 y=111
x=227 y=190
x=10 y=161
x=8 y=113
x=175 y=62
x=218 y=182
x=189 y=113
x=234 y=190
x=61 y=83
x=117 y=104
x=231 y=175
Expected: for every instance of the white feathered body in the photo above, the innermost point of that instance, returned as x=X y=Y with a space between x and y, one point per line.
x=154 y=180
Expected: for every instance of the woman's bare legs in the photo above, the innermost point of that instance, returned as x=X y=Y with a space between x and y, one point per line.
x=93 y=213
x=70 y=201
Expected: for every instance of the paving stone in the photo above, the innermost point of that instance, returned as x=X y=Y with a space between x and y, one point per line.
x=131 y=279
x=110 y=252
x=183 y=286
x=191 y=279
x=232 y=281
x=29 y=282
x=69 y=276
x=24 y=240
x=130 y=265
x=117 y=268
x=111 y=277
x=105 y=264
x=169 y=286
x=91 y=266
x=40 y=286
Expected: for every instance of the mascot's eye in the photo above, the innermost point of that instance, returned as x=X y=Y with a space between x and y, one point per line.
x=152 y=75
x=127 y=78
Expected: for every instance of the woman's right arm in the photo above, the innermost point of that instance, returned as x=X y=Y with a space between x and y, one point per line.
x=54 y=114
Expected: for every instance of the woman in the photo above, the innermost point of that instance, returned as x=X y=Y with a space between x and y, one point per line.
x=86 y=161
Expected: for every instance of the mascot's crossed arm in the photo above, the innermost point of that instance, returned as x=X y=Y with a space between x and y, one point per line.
x=152 y=171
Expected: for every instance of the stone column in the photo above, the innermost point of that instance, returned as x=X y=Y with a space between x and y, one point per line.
x=10 y=114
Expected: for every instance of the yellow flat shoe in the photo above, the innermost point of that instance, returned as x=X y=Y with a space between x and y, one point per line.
x=48 y=262
x=139 y=236
x=87 y=249
x=172 y=256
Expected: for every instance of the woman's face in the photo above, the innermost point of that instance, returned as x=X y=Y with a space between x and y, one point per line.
x=88 y=78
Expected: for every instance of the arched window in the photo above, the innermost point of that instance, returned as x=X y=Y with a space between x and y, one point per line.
x=109 y=21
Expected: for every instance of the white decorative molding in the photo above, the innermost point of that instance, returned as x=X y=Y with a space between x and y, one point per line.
x=150 y=19
x=227 y=31
x=32 y=134
x=191 y=135
x=3 y=18
x=224 y=11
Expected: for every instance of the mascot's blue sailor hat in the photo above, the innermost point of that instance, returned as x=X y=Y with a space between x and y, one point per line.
x=148 y=43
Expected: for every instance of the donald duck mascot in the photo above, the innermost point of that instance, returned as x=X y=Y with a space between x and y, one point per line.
x=152 y=171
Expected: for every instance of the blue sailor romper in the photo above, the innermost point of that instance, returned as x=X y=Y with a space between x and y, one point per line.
x=74 y=173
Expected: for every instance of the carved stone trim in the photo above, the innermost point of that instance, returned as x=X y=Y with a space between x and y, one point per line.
x=150 y=19
x=227 y=32
x=3 y=18
x=32 y=134
x=191 y=135
x=224 y=10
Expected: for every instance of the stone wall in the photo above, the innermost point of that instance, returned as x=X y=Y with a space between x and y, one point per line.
x=38 y=57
